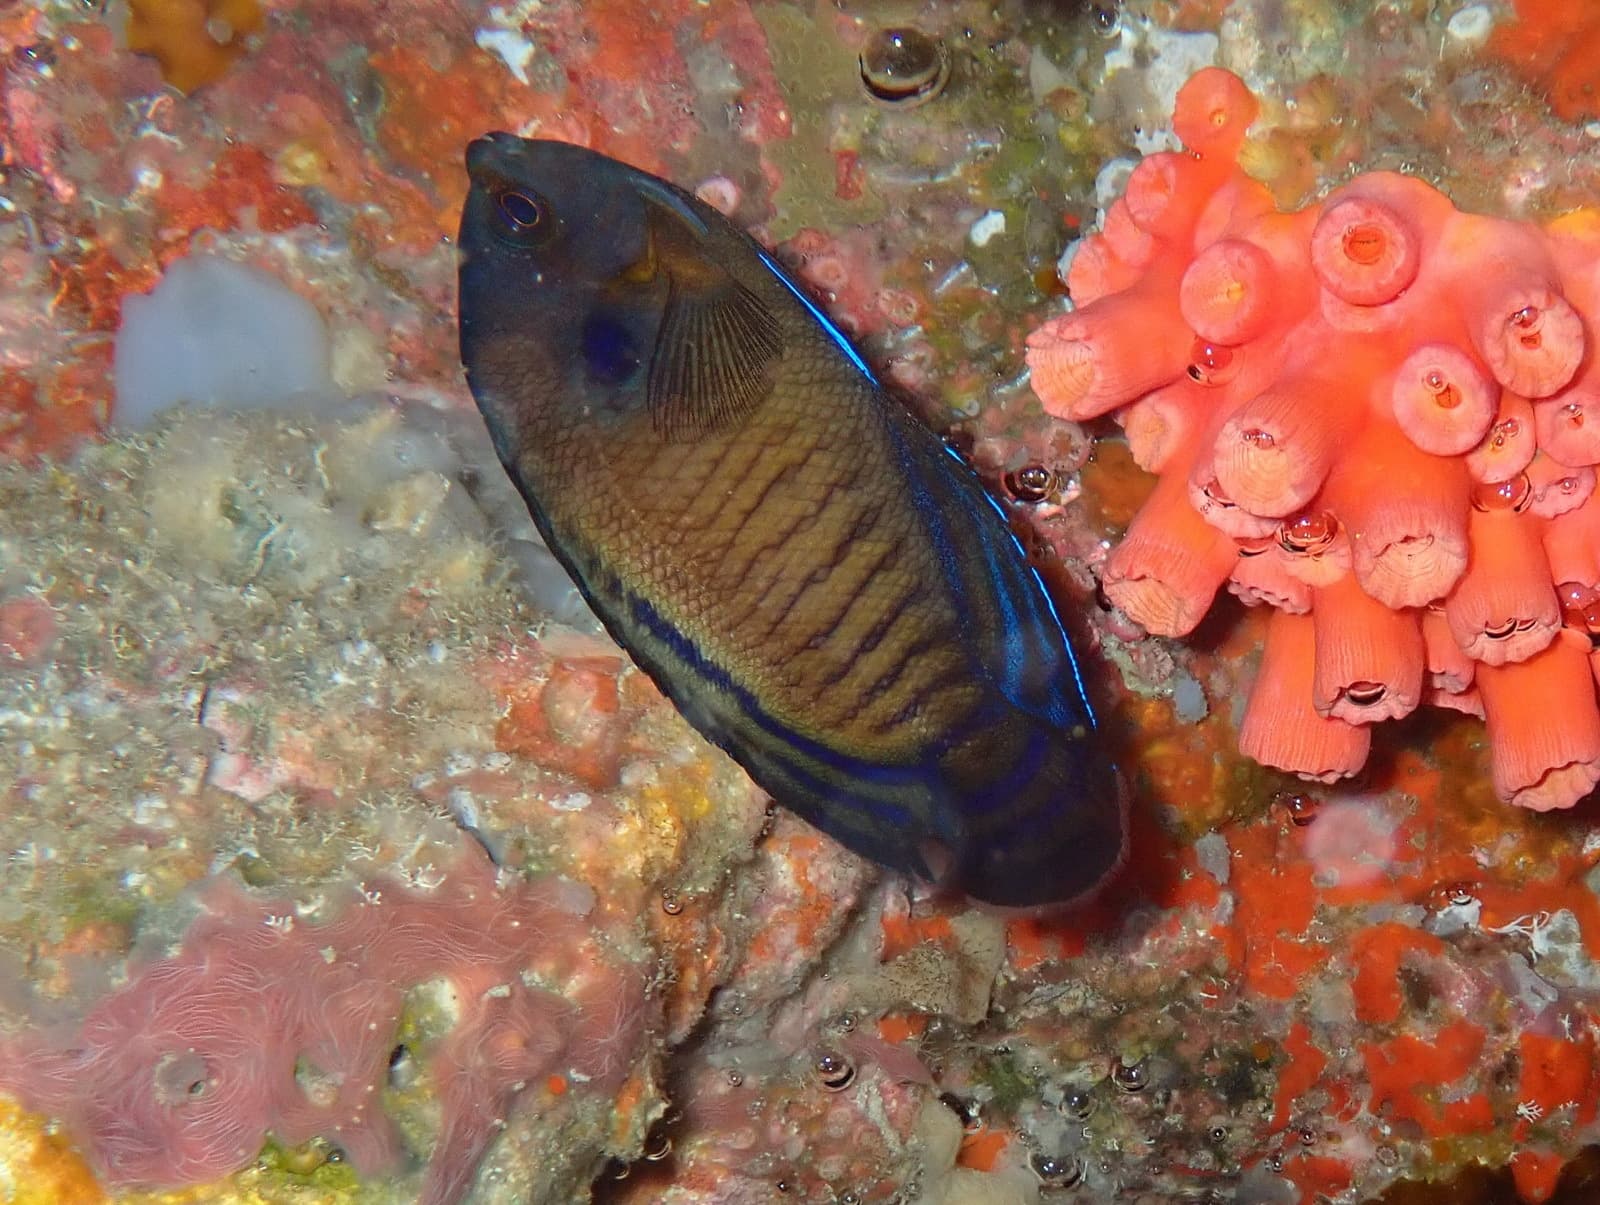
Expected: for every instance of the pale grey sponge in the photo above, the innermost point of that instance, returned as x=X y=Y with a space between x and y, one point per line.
x=216 y=333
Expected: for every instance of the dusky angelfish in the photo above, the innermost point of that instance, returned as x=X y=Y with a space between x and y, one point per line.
x=819 y=584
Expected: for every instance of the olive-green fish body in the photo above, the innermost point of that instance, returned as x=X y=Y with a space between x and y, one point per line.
x=817 y=583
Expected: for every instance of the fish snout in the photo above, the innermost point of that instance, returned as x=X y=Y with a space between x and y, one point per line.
x=488 y=154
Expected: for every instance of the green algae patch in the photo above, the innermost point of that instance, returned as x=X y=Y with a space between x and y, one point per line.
x=310 y=1165
x=1011 y=1085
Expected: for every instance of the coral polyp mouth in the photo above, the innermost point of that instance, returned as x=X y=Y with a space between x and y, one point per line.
x=1364 y=243
x=1366 y=694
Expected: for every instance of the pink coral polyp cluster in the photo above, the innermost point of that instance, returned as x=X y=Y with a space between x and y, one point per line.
x=1378 y=415
x=262 y=1024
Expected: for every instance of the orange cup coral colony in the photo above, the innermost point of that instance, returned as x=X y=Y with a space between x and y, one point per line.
x=1379 y=416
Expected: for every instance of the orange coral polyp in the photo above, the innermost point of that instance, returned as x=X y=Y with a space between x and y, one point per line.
x=1506 y=286
x=1369 y=661
x=1165 y=422
x=1131 y=245
x=1504 y=608
x=1237 y=205
x=1364 y=252
x=1111 y=352
x=1377 y=406
x=1572 y=544
x=1567 y=426
x=1443 y=399
x=1261 y=576
x=1170 y=565
x=1556 y=487
x=1530 y=337
x=1096 y=271
x=1467 y=702
x=1228 y=292
x=1211 y=503
x=1272 y=456
x=1544 y=725
x=1166 y=193
x=1212 y=111
x=1406 y=512
x=1281 y=728
x=1449 y=669
x=1509 y=446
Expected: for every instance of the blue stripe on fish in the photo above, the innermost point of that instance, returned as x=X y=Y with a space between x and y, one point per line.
x=823 y=320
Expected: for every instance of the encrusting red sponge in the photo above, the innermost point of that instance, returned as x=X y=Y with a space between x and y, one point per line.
x=1379 y=416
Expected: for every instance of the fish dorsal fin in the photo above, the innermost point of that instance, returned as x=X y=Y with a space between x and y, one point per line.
x=718 y=346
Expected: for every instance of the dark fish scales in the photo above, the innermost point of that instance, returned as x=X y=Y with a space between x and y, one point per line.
x=816 y=581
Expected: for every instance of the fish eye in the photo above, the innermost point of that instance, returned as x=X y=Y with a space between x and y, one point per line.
x=522 y=211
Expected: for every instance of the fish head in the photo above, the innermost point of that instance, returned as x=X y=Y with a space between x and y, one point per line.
x=561 y=297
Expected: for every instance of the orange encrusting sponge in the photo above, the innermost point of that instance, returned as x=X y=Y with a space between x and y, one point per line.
x=1378 y=415
x=195 y=41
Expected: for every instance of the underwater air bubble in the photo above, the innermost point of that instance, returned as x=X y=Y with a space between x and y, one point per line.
x=1130 y=1077
x=1302 y=808
x=1056 y=1172
x=1308 y=533
x=834 y=1071
x=1078 y=1103
x=1211 y=363
x=1513 y=494
x=1580 y=606
x=1031 y=483
x=904 y=66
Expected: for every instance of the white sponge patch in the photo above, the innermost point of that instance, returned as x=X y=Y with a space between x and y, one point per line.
x=216 y=333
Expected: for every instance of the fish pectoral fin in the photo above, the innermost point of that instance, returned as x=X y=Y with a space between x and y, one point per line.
x=717 y=348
